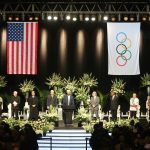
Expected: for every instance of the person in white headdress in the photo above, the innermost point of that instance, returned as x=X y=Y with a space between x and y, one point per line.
x=134 y=103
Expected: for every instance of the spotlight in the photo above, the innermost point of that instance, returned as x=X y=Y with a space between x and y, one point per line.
x=10 y=18
x=144 y=18
x=113 y=18
x=125 y=18
x=105 y=18
x=87 y=19
x=30 y=18
x=36 y=18
x=17 y=18
x=68 y=17
x=49 y=17
x=93 y=18
x=74 y=18
x=55 y=18
x=131 y=18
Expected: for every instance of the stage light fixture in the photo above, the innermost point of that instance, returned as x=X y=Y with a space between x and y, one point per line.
x=16 y=18
x=74 y=18
x=86 y=18
x=55 y=18
x=36 y=18
x=144 y=18
x=68 y=17
x=125 y=18
x=132 y=18
x=105 y=18
x=113 y=19
x=93 y=18
x=10 y=18
x=30 y=18
x=49 y=17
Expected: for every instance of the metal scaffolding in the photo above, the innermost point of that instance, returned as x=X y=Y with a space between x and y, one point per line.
x=84 y=7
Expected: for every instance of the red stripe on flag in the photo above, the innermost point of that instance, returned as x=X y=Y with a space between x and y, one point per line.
x=12 y=57
x=31 y=48
x=8 y=61
x=17 y=53
x=26 y=72
x=36 y=47
x=21 y=58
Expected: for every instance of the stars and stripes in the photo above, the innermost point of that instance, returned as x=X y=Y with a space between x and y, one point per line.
x=22 y=40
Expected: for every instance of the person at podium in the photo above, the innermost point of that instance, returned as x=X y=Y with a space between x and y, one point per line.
x=68 y=107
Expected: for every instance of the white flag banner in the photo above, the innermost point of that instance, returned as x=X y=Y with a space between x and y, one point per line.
x=123 y=48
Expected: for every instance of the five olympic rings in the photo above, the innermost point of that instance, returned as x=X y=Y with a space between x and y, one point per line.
x=123 y=50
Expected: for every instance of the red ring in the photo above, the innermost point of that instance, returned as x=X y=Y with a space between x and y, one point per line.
x=125 y=59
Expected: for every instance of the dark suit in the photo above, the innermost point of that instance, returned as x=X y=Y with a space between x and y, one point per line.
x=33 y=109
x=52 y=101
x=114 y=107
x=94 y=106
x=68 y=107
x=15 y=109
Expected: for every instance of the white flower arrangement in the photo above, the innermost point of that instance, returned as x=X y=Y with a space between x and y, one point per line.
x=52 y=115
x=145 y=80
x=82 y=115
x=59 y=94
x=118 y=85
x=54 y=81
x=27 y=86
x=81 y=94
x=70 y=84
x=87 y=80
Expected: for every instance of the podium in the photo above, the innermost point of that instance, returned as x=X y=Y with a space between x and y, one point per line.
x=67 y=114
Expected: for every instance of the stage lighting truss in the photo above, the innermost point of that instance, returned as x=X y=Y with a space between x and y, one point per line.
x=95 y=10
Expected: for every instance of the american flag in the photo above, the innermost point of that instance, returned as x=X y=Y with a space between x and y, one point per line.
x=22 y=40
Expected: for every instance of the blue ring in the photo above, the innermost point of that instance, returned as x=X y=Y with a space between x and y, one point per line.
x=119 y=34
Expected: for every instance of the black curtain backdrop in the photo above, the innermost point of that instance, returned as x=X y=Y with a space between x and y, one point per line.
x=90 y=63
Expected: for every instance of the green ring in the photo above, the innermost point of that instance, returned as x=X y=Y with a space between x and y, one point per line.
x=124 y=53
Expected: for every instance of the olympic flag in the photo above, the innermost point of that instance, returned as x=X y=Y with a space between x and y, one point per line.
x=22 y=40
x=123 y=48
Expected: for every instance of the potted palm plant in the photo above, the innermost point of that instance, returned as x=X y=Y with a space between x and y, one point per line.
x=3 y=82
x=145 y=82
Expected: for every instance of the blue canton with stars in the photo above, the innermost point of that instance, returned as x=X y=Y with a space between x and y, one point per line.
x=15 y=31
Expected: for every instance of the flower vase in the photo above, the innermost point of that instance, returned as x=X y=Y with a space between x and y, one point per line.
x=44 y=133
x=81 y=104
x=27 y=96
x=56 y=124
x=80 y=124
